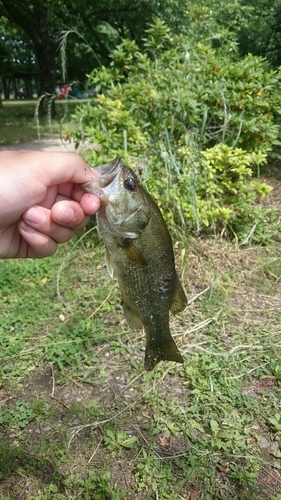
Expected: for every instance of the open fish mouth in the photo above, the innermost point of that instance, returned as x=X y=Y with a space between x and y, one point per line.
x=110 y=167
x=109 y=172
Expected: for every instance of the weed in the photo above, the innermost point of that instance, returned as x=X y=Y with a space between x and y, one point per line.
x=117 y=442
x=97 y=487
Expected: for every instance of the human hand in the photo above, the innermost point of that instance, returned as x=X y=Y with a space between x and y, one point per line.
x=41 y=202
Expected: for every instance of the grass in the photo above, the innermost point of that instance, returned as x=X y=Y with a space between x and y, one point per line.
x=81 y=419
x=18 y=123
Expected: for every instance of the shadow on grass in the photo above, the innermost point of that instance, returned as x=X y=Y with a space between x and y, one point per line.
x=14 y=458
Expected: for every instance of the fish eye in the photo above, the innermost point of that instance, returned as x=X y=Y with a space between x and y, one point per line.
x=130 y=184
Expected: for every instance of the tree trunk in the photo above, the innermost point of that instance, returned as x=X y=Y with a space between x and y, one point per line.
x=6 y=88
x=46 y=52
x=28 y=87
x=34 y=18
x=16 y=90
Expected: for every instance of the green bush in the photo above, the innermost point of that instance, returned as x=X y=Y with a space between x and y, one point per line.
x=213 y=190
x=198 y=118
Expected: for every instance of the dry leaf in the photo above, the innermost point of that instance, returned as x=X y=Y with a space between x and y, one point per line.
x=194 y=495
x=163 y=440
x=224 y=468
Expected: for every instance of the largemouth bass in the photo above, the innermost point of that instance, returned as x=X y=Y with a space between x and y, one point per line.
x=139 y=251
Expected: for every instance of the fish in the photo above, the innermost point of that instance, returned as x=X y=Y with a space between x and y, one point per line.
x=139 y=252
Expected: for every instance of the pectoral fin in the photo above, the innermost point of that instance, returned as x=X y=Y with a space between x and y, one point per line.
x=179 y=299
x=109 y=264
x=133 y=254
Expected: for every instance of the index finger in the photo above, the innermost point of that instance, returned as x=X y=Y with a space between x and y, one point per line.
x=68 y=167
x=48 y=168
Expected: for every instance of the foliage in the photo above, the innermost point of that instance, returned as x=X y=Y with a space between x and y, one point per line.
x=21 y=416
x=255 y=23
x=97 y=487
x=31 y=31
x=23 y=413
x=117 y=442
x=199 y=119
x=37 y=26
x=111 y=127
x=262 y=21
x=15 y=50
x=212 y=191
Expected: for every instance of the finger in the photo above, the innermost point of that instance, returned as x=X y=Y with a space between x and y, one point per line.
x=72 y=169
x=70 y=214
x=55 y=167
x=89 y=202
x=40 y=245
x=40 y=219
x=9 y=241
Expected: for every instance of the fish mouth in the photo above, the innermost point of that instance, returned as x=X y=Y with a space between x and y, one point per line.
x=109 y=172
x=109 y=169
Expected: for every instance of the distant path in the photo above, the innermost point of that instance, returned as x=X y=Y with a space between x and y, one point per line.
x=48 y=144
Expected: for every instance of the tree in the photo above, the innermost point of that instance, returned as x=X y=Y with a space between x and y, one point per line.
x=102 y=24
x=35 y=19
x=256 y=24
x=262 y=34
x=17 y=58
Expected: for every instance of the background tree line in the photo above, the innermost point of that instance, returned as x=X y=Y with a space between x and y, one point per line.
x=31 y=31
x=31 y=34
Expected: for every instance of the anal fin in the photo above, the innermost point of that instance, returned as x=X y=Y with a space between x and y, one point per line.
x=179 y=299
x=132 y=318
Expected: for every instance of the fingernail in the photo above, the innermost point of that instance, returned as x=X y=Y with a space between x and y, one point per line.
x=35 y=215
x=67 y=215
x=95 y=205
x=25 y=227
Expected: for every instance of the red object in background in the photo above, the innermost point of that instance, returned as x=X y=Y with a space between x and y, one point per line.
x=64 y=91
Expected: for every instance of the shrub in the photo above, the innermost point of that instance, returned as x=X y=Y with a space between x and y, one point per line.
x=199 y=119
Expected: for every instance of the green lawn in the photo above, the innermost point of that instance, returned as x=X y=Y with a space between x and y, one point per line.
x=18 y=121
x=81 y=419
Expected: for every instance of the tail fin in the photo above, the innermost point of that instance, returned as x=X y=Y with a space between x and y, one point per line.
x=166 y=352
